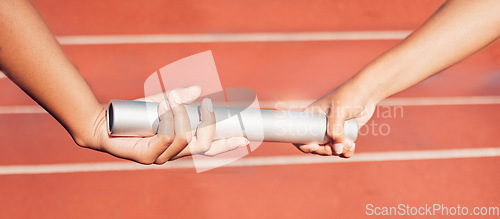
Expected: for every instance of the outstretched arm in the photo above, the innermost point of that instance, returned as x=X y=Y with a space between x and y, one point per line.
x=458 y=29
x=32 y=58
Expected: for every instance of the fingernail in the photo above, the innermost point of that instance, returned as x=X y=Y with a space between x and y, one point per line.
x=242 y=141
x=175 y=97
x=238 y=141
x=348 y=145
x=352 y=146
x=208 y=104
x=338 y=148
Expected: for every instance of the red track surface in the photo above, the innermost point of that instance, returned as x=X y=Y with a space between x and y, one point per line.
x=277 y=71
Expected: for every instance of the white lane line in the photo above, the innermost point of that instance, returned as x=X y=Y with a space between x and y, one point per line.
x=21 y=109
x=232 y=37
x=440 y=101
x=284 y=105
x=406 y=101
x=253 y=161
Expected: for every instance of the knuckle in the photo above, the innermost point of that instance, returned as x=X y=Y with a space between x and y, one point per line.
x=167 y=138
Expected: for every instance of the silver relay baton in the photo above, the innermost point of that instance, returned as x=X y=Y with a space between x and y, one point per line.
x=138 y=118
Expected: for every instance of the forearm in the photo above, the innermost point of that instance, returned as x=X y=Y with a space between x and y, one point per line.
x=31 y=57
x=458 y=29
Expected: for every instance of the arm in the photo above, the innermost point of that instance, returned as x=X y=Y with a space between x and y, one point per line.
x=458 y=29
x=32 y=58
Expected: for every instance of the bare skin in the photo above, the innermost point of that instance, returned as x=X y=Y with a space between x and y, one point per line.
x=455 y=31
x=32 y=58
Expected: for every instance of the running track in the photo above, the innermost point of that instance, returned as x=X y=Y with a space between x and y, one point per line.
x=441 y=150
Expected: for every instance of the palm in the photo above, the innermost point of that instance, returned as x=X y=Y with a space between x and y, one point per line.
x=164 y=146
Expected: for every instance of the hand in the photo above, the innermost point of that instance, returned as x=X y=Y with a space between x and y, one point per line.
x=345 y=102
x=174 y=138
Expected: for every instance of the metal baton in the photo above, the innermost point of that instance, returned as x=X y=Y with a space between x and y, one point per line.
x=138 y=118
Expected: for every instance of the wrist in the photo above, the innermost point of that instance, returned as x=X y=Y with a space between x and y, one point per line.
x=381 y=78
x=366 y=89
x=88 y=134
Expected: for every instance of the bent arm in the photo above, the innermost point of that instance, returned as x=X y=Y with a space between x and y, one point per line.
x=32 y=58
x=458 y=29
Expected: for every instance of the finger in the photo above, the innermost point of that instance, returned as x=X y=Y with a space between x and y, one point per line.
x=338 y=148
x=321 y=108
x=206 y=128
x=187 y=95
x=335 y=129
x=225 y=145
x=324 y=150
x=349 y=152
x=187 y=150
x=204 y=133
x=166 y=127
x=141 y=150
x=317 y=107
x=216 y=147
x=308 y=148
x=347 y=148
x=166 y=116
x=182 y=128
